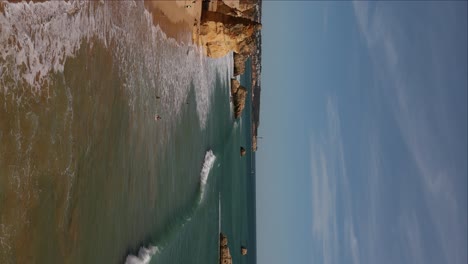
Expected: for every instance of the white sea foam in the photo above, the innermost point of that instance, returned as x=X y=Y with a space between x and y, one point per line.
x=36 y=39
x=207 y=166
x=144 y=255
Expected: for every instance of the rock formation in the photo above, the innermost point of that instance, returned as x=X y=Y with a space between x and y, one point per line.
x=239 y=63
x=225 y=30
x=239 y=94
x=245 y=10
x=254 y=143
x=243 y=251
x=234 y=86
x=242 y=151
x=225 y=256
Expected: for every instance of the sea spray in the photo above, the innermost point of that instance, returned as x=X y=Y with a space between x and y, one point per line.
x=207 y=165
x=145 y=253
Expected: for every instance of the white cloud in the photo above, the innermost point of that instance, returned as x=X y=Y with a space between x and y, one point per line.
x=330 y=190
x=374 y=191
x=425 y=140
x=354 y=244
x=325 y=17
x=412 y=233
x=324 y=225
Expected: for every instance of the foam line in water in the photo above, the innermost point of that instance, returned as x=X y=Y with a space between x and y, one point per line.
x=146 y=253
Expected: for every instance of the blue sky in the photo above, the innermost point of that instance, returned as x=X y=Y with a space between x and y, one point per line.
x=363 y=155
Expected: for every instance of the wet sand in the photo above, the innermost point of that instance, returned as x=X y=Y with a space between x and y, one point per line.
x=176 y=18
x=45 y=136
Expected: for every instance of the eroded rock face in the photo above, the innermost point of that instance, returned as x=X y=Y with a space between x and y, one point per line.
x=239 y=94
x=234 y=86
x=224 y=31
x=239 y=63
x=239 y=101
x=225 y=256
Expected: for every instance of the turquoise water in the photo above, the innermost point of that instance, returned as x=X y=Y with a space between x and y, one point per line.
x=231 y=183
x=87 y=175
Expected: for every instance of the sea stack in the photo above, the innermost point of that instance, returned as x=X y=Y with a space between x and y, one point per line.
x=225 y=255
x=242 y=151
x=243 y=251
x=239 y=94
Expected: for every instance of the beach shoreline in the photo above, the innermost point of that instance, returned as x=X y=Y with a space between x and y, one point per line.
x=176 y=18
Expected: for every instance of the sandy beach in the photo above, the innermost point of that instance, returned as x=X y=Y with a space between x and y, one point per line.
x=86 y=175
x=176 y=18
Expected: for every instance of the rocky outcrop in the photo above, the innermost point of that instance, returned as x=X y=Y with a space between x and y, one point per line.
x=235 y=84
x=239 y=63
x=245 y=10
x=243 y=251
x=246 y=49
x=239 y=94
x=242 y=151
x=225 y=256
x=225 y=30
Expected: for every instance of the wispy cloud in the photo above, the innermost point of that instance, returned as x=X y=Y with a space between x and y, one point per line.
x=325 y=17
x=374 y=173
x=418 y=114
x=411 y=230
x=330 y=190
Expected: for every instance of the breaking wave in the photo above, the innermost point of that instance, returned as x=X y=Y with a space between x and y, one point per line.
x=146 y=253
x=207 y=166
x=37 y=39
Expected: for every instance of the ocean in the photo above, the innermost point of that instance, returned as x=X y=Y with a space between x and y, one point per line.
x=88 y=174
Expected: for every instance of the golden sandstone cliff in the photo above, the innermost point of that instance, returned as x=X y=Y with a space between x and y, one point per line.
x=224 y=29
x=233 y=26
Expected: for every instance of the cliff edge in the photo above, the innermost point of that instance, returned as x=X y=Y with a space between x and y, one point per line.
x=223 y=29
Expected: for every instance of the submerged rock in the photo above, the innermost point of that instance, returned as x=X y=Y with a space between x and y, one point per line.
x=243 y=251
x=242 y=151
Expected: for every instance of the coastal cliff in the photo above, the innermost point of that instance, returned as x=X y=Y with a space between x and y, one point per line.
x=233 y=26
x=223 y=29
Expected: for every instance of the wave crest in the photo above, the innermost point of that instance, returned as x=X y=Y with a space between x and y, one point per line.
x=207 y=166
x=146 y=253
x=38 y=38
